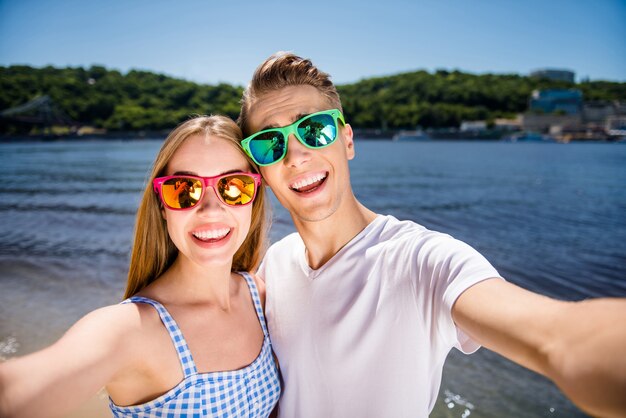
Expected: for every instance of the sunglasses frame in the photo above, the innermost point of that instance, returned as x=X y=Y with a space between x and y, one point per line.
x=293 y=129
x=211 y=182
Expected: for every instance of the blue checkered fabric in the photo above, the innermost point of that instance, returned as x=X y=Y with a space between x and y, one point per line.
x=249 y=392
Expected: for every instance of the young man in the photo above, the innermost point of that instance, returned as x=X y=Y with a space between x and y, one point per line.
x=363 y=309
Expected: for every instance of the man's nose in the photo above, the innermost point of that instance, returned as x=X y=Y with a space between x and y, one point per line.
x=297 y=153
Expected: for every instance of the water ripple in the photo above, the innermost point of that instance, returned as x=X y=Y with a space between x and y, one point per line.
x=93 y=209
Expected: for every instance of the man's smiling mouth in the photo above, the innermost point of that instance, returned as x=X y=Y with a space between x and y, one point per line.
x=309 y=184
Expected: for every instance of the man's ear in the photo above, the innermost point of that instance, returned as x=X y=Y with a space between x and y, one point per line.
x=348 y=140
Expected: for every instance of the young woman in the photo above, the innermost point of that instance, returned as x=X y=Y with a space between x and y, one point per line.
x=190 y=340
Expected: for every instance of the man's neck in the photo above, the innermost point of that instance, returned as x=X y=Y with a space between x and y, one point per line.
x=323 y=239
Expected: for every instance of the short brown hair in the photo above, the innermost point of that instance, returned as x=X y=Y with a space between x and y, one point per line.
x=281 y=70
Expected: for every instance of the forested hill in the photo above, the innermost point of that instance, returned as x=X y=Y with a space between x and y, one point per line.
x=108 y=99
x=444 y=99
x=141 y=100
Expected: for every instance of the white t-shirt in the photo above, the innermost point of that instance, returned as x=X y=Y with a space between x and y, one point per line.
x=366 y=335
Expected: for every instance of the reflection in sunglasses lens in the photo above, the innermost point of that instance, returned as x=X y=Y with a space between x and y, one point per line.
x=318 y=130
x=268 y=147
x=237 y=189
x=181 y=193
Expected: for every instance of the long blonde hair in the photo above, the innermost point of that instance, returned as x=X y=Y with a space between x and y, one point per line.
x=153 y=251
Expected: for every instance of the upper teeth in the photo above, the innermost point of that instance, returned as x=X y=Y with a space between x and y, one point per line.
x=303 y=183
x=212 y=234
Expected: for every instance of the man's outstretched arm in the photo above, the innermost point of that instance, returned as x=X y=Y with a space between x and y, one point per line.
x=581 y=346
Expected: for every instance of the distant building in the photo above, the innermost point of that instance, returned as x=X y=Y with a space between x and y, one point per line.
x=616 y=125
x=559 y=101
x=597 y=112
x=473 y=125
x=620 y=108
x=509 y=124
x=534 y=122
x=554 y=74
x=564 y=115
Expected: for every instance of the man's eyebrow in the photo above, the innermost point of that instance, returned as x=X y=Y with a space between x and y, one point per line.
x=295 y=119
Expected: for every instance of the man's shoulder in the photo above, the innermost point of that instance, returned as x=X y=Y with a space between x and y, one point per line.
x=281 y=254
x=393 y=230
x=285 y=245
x=407 y=240
x=288 y=240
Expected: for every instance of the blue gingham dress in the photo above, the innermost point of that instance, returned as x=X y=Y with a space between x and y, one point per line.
x=249 y=392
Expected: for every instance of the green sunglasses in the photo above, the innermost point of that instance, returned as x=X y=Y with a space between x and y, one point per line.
x=317 y=130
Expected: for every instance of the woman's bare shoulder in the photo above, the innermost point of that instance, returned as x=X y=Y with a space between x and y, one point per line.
x=121 y=320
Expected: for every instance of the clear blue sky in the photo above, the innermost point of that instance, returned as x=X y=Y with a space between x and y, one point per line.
x=210 y=41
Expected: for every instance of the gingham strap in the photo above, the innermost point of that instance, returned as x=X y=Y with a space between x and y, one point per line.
x=257 y=301
x=184 y=355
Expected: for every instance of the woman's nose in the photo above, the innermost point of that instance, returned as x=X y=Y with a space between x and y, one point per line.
x=210 y=201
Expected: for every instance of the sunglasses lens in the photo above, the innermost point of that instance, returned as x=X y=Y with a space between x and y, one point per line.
x=268 y=147
x=237 y=189
x=318 y=130
x=181 y=192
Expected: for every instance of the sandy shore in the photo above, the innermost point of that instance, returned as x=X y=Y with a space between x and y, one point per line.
x=96 y=407
x=39 y=301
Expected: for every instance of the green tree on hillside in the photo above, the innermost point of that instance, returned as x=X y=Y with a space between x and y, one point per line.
x=143 y=100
